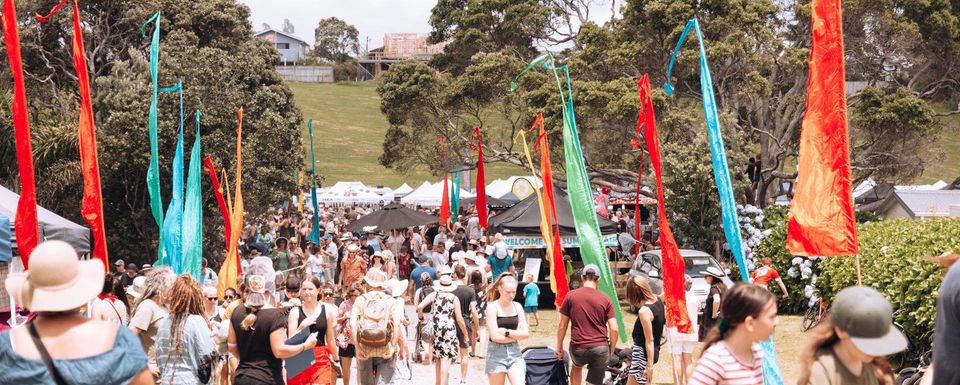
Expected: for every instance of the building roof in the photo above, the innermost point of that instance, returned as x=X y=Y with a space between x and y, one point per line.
x=924 y=203
x=264 y=32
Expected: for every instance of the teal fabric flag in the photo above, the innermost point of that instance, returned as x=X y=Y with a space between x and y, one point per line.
x=153 y=172
x=172 y=232
x=315 y=230
x=721 y=174
x=578 y=186
x=193 y=213
x=455 y=198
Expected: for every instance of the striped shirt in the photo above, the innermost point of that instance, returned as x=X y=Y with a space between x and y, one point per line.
x=718 y=366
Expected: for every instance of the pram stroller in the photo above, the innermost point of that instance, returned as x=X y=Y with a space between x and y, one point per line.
x=543 y=367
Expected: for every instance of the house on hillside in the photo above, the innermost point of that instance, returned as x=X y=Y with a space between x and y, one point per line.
x=397 y=47
x=291 y=48
x=919 y=204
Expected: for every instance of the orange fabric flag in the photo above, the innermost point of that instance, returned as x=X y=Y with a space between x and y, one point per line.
x=227 y=278
x=821 y=220
x=91 y=206
x=549 y=225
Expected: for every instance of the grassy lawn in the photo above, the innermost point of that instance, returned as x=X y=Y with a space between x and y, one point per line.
x=348 y=135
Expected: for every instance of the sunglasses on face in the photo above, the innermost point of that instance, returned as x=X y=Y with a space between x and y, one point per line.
x=212 y=298
x=228 y=297
x=328 y=294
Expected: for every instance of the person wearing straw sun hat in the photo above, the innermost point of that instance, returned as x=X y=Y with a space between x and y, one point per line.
x=56 y=287
x=376 y=327
x=851 y=344
x=711 y=309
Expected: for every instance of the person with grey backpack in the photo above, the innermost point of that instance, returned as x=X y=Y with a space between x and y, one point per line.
x=376 y=326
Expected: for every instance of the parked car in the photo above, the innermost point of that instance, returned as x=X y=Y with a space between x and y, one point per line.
x=649 y=264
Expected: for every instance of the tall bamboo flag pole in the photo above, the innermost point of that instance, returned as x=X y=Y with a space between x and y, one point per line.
x=721 y=174
x=578 y=185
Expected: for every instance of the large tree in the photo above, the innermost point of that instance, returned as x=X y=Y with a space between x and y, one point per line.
x=210 y=47
x=758 y=52
x=335 y=40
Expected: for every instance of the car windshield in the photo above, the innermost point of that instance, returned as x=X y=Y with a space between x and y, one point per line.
x=695 y=266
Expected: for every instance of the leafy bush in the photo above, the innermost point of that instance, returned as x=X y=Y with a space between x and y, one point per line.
x=891 y=260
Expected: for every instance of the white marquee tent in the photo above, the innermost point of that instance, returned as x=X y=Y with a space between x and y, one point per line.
x=430 y=195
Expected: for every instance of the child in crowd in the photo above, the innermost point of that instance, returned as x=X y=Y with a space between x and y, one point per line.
x=531 y=292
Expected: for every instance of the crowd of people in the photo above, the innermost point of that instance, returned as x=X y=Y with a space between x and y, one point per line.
x=348 y=305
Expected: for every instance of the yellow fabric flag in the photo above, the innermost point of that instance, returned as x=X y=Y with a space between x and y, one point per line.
x=231 y=265
x=300 y=198
x=545 y=228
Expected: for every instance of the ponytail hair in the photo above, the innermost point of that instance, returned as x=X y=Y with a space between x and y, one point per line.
x=250 y=319
x=742 y=301
x=493 y=292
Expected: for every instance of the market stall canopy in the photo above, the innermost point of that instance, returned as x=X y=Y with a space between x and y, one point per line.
x=402 y=190
x=430 y=195
x=392 y=216
x=52 y=226
x=524 y=218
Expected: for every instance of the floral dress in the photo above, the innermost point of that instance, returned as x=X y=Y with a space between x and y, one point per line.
x=445 y=343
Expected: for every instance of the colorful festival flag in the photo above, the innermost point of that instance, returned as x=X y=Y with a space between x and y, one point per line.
x=218 y=192
x=91 y=206
x=26 y=224
x=153 y=170
x=821 y=219
x=445 y=201
x=548 y=216
x=193 y=213
x=171 y=238
x=455 y=198
x=231 y=265
x=721 y=174
x=315 y=230
x=578 y=184
x=672 y=262
x=481 y=182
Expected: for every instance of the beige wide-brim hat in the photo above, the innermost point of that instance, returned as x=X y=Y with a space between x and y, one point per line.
x=376 y=278
x=57 y=279
x=446 y=284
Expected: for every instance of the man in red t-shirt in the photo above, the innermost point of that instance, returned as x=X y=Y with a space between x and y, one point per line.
x=594 y=332
x=766 y=273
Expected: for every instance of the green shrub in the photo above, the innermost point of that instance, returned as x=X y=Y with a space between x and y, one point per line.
x=891 y=260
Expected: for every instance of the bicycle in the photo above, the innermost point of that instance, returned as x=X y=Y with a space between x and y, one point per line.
x=814 y=314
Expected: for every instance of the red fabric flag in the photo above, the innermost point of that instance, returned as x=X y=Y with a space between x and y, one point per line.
x=557 y=267
x=674 y=295
x=821 y=220
x=636 y=206
x=481 y=183
x=26 y=224
x=91 y=206
x=218 y=190
x=445 y=201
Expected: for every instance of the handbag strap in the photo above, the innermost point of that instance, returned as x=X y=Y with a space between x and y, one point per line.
x=45 y=355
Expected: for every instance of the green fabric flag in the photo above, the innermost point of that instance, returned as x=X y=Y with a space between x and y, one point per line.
x=153 y=172
x=455 y=198
x=578 y=187
x=193 y=213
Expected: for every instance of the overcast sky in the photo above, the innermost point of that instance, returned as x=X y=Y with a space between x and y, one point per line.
x=373 y=18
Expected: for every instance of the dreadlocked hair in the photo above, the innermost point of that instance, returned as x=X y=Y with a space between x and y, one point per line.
x=185 y=299
x=158 y=282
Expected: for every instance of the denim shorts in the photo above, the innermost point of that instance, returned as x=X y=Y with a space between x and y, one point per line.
x=503 y=357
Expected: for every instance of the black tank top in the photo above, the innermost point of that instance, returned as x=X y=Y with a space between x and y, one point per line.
x=507 y=322
x=320 y=327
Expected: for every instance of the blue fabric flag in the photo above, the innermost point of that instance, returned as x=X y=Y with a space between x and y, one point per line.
x=6 y=241
x=721 y=174
x=172 y=237
x=315 y=230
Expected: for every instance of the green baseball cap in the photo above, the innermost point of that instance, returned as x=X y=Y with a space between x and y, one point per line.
x=868 y=317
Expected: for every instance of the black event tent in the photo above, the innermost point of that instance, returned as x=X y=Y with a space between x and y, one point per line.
x=524 y=218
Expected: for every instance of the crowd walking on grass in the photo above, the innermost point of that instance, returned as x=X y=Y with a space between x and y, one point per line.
x=368 y=308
